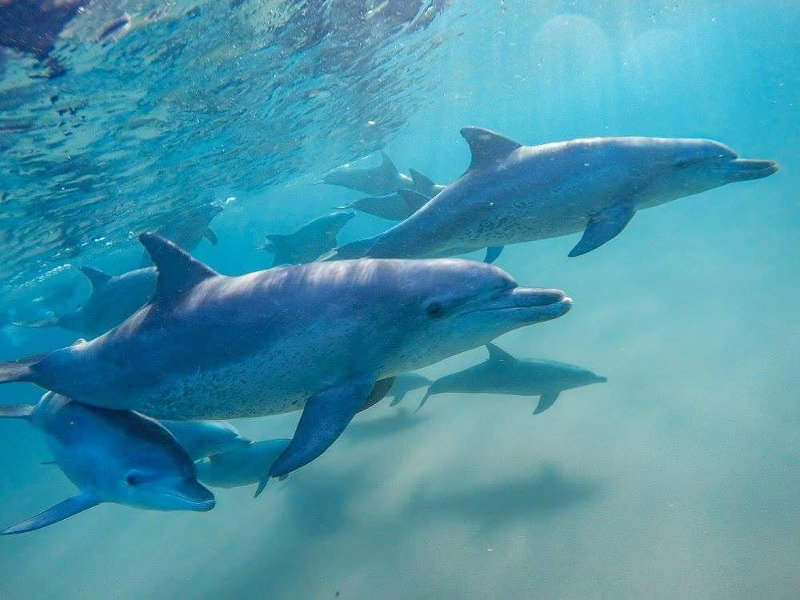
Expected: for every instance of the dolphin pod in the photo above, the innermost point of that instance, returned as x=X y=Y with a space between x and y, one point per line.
x=513 y=193
x=218 y=347
x=111 y=456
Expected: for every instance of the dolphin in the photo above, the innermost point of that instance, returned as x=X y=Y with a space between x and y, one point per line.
x=400 y=204
x=502 y=373
x=318 y=336
x=513 y=193
x=241 y=466
x=113 y=299
x=187 y=229
x=407 y=382
x=377 y=181
x=309 y=242
x=114 y=456
x=204 y=438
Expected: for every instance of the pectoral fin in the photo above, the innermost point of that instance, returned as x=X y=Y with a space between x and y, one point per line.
x=54 y=514
x=324 y=419
x=603 y=226
x=210 y=236
x=546 y=400
x=492 y=253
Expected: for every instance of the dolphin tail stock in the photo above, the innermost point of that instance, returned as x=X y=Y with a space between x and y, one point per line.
x=54 y=514
x=16 y=411
x=19 y=370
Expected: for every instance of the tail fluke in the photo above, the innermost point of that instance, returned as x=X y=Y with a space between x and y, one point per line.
x=19 y=370
x=16 y=411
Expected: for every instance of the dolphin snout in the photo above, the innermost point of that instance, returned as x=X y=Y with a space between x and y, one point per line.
x=534 y=305
x=537 y=296
x=745 y=169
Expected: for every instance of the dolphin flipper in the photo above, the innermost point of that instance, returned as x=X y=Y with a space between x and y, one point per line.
x=546 y=400
x=378 y=393
x=262 y=483
x=210 y=236
x=602 y=227
x=324 y=419
x=424 y=400
x=492 y=253
x=54 y=514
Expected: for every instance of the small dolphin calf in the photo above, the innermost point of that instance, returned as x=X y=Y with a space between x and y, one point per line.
x=112 y=456
x=307 y=243
x=319 y=336
x=241 y=466
x=113 y=299
x=204 y=438
x=513 y=193
x=377 y=181
x=505 y=374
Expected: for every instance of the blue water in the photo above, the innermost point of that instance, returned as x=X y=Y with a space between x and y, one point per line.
x=678 y=478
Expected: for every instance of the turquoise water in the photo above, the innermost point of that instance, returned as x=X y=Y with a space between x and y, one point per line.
x=675 y=479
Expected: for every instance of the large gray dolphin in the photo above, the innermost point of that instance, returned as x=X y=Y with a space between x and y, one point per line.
x=502 y=373
x=113 y=299
x=204 y=438
x=307 y=243
x=513 y=193
x=377 y=181
x=242 y=466
x=111 y=456
x=400 y=204
x=316 y=336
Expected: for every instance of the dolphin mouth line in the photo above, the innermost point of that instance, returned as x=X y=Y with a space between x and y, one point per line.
x=200 y=506
x=556 y=305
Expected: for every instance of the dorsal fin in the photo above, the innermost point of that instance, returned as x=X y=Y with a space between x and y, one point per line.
x=178 y=272
x=487 y=146
x=420 y=180
x=97 y=278
x=387 y=165
x=497 y=353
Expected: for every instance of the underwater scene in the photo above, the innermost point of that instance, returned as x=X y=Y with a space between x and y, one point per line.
x=365 y=299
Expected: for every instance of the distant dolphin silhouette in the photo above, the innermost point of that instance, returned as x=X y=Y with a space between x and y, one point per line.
x=309 y=242
x=319 y=336
x=378 y=181
x=399 y=205
x=114 y=456
x=513 y=193
x=502 y=373
x=187 y=229
x=113 y=299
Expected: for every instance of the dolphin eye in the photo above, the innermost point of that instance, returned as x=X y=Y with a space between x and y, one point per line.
x=133 y=478
x=434 y=309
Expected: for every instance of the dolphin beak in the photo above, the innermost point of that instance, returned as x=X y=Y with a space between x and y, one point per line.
x=533 y=305
x=192 y=495
x=745 y=169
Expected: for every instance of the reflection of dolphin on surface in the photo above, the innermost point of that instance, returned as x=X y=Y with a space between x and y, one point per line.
x=378 y=181
x=114 y=456
x=309 y=242
x=319 y=337
x=113 y=299
x=503 y=373
x=241 y=466
x=513 y=193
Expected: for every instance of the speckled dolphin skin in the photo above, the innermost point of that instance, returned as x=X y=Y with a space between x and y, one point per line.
x=513 y=193
x=316 y=336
